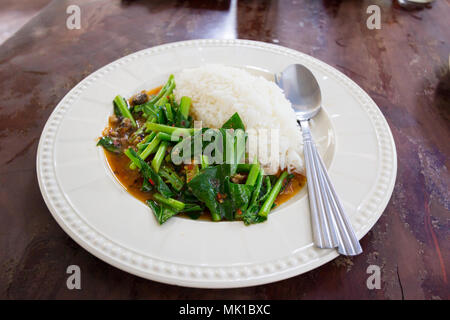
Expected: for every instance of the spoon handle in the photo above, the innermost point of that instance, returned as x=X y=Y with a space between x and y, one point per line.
x=321 y=218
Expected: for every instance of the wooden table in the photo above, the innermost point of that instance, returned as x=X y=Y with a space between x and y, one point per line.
x=404 y=67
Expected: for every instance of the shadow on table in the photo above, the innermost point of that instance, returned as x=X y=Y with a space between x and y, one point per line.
x=442 y=94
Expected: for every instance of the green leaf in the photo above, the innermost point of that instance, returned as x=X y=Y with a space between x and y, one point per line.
x=212 y=186
x=239 y=193
x=108 y=144
x=206 y=186
x=149 y=174
x=182 y=121
x=162 y=213
x=235 y=122
x=146 y=186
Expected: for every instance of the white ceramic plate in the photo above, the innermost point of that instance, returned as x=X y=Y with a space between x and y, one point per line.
x=93 y=208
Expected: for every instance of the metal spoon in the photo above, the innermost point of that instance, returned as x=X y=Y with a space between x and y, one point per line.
x=414 y=4
x=330 y=224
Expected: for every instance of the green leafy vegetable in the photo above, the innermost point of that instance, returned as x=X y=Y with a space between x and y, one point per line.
x=121 y=108
x=235 y=122
x=151 y=147
x=162 y=213
x=253 y=175
x=162 y=131
x=265 y=189
x=212 y=186
x=108 y=144
x=205 y=162
x=170 y=130
x=239 y=194
x=171 y=177
x=169 y=113
x=148 y=173
x=234 y=136
x=267 y=206
x=173 y=203
x=145 y=142
x=146 y=186
x=159 y=156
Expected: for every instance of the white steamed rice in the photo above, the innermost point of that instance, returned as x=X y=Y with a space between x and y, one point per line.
x=219 y=91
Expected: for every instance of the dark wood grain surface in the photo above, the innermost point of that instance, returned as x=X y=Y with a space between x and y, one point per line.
x=404 y=67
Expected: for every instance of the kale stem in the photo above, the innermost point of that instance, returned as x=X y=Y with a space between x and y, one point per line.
x=253 y=175
x=169 y=129
x=159 y=156
x=172 y=177
x=163 y=99
x=170 y=84
x=134 y=161
x=169 y=112
x=267 y=206
x=205 y=162
x=257 y=188
x=147 y=151
x=150 y=148
x=192 y=208
x=165 y=137
x=161 y=102
x=142 y=129
x=147 y=139
x=185 y=104
x=177 y=205
x=268 y=188
x=215 y=216
x=123 y=108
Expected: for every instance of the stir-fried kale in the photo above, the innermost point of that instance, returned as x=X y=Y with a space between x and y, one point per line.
x=228 y=190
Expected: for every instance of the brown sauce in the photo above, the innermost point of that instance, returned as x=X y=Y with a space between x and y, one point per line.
x=292 y=188
x=131 y=180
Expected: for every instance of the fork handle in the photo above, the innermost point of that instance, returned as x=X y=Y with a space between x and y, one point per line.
x=324 y=234
x=331 y=226
x=348 y=242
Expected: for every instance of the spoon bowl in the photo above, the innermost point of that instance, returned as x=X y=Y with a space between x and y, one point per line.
x=301 y=89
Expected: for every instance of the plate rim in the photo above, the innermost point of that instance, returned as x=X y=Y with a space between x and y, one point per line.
x=175 y=273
